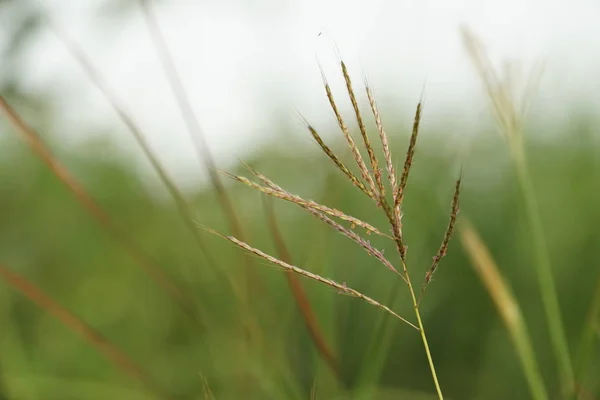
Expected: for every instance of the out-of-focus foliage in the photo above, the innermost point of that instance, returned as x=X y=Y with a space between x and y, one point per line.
x=50 y=239
x=47 y=236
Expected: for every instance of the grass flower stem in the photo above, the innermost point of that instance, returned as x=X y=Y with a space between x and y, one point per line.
x=413 y=296
x=544 y=274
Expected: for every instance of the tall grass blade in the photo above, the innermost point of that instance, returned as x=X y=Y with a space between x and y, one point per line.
x=96 y=77
x=302 y=302
x=95 y=339
x=506 y=304
x=98 y=213
x=510 y=121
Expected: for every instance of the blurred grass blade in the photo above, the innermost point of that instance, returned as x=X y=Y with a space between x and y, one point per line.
x=208 y=394
x=101 y=216
x=96 y=77
x=507 y=306
x=510 y=118
x=94 y=338
x=250 y=279
x=299 y=294
x=588 y=339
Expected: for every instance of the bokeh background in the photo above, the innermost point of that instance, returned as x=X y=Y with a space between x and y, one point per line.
x=247 y=65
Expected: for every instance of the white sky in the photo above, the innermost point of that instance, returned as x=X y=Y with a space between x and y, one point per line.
x=247 y=64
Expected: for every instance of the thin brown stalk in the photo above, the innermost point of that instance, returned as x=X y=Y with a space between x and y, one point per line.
x=96 y=77
x=399 y=195
x=363 y=132
x=195 y=132
x=299 y=294
x=284 y=195
x=193 y=125
x=447 y=235
x=101 y=216
x=342 y=288
x=364 y=171
x=208 y=394
x=391 y=170
x=94 y=338
x=338 y=163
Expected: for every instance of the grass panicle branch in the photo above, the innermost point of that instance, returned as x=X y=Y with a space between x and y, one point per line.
x=410 y=153
x=284 y=195
x=338 y=163
x=364 y=171
x=363 y=132
x=341 y=288
x=349 y=233
x=75 y=324
x=389 y=163
x=447 y=235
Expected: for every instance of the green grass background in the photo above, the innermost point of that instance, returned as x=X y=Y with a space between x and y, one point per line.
x=46 y=236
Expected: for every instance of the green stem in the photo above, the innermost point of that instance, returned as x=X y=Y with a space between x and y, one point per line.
x=422 y=332
x=544 y=273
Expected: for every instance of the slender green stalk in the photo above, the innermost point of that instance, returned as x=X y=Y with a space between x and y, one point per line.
x=507 y=306
x=586 y=345
x=544 y=273
x=422 y=332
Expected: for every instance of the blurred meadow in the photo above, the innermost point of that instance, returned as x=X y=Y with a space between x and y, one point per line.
x=85 y=314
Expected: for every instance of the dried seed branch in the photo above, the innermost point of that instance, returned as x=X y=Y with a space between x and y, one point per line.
x=98 y=213
x=345 y=231
x=447 y=235
x=365 y=244
x=351 y=144
x=338 y=163
x=363 y=132
x=326 y=281
x=284 y=195
x=306 y=311
x=391 y=171
x=399 y=195
x=75 y=324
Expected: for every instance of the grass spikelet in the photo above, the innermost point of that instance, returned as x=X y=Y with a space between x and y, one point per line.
x=338 y=163
x=342 y=288
x=507 y=306
x=365 y=244
x=391 y=171
x=410 y=153
x=363 y=131
x=284 y=195
x=447 y=235
x=95 y=339
x=351 y=144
